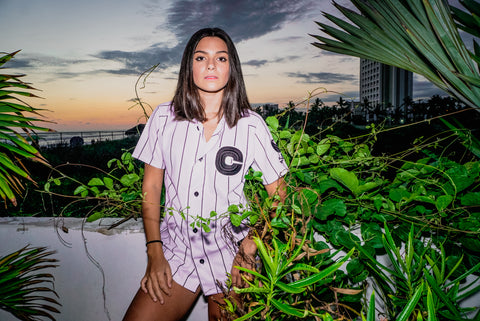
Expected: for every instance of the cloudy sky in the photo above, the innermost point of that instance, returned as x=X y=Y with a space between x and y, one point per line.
x=86 y=56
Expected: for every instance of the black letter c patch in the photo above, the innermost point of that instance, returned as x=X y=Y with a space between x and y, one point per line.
x=229 y=160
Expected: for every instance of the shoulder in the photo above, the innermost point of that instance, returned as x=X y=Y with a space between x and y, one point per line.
x=163 y=113
x=165 y=109
x=251 y=118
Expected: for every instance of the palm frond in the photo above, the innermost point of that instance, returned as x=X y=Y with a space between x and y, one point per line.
x=25 y=292
x=13 y=122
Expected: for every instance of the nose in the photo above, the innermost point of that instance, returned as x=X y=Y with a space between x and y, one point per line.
x=211 y=64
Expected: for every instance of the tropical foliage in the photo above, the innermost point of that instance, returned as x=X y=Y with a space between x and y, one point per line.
x=16 y=118
x=419 y=36
x=21 y=282
x=22 y=287
x=342 y=197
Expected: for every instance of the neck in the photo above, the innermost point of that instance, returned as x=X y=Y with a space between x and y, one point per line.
x=211 y=103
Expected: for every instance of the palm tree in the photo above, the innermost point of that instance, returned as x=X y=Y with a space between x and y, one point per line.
x=419 y=36
x=22 y=279
x=13 y=123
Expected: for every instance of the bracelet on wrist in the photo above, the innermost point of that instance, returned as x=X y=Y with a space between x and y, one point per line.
x=154 y=241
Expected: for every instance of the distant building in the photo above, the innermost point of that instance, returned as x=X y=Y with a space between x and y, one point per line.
x=384 y=85
x=266 y=109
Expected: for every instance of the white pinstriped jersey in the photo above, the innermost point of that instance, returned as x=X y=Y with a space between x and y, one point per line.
x=201 y=177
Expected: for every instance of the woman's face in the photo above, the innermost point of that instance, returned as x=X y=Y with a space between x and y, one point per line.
x=211 y=68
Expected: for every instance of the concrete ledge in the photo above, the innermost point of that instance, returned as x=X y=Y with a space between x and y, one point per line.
x=79 y=282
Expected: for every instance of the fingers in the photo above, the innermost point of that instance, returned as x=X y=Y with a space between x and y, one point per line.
x=157 y=285
x=168 y=277
x=155 y=288
x=143 y=284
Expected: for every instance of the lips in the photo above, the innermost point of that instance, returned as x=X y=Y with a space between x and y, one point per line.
x=211 y=77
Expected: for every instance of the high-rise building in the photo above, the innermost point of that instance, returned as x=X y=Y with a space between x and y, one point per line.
x=384 y=85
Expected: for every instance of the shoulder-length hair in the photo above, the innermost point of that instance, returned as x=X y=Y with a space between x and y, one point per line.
x=186 y=102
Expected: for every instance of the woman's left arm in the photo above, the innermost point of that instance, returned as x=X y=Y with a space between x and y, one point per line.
x=248 y=249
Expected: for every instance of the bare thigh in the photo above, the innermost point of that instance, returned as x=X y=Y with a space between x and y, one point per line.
x=175 y=307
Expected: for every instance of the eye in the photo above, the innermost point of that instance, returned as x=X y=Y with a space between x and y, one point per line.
x=199 y=58
x=222 y=59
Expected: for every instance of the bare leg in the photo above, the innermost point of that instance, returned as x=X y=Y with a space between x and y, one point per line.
x=175 y=307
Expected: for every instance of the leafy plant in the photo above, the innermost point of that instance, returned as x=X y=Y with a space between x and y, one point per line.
x=407 y=279
x=285 y=287
x=117 y=193
x=337 y=188
x=13 y=120
x=21 y=281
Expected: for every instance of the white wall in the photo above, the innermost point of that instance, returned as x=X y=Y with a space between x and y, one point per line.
x=120 y=253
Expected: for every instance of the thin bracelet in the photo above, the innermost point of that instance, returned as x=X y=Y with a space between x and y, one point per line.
x=154 y=241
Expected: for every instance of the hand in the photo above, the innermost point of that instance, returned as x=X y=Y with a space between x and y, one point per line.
x=244 y=258
x=158 y=278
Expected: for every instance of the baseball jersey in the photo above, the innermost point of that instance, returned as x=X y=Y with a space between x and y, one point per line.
x=204 y=176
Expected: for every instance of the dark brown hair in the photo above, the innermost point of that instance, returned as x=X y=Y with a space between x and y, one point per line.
x=186 y=102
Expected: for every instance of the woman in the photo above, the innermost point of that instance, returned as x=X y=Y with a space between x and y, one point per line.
x=200 y=146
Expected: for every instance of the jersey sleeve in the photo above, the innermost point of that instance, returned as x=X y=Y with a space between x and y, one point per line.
x=268 y=157
x=149 y=146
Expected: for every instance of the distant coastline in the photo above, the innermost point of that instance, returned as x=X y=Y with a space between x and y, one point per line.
x=79 y=138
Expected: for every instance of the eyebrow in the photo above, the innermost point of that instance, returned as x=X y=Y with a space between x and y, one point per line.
x=204 y=52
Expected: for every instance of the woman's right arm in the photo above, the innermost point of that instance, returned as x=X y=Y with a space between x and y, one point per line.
x=158 y=278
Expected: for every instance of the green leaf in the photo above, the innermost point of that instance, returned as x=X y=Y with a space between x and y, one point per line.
x=130 y=196
x=371 y=308
x=233 y=208
x=323 y=146
x=285 y=134
x=329 y=207
x=272 y=122
x=108 y=183
x=82 y=190
x=95 y=182
x=431 y=306
x=235 y=219
x=346 y=178
x=285 y=308
x=322 y=274
x=470 y=199
x=95 y=216
x=129 y=179
x=251 y=313
x=471 y=242
x=310 y=196
x=398 y=194
x=411 y=304
x=288 y=288
x=442 y=202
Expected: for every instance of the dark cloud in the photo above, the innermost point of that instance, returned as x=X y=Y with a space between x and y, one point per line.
x=288 y=39
x=20 y=63
x=261 y=62
x=137 y=62
x=50 y=63
x=255 y=63
x=322 y=77
x=242 y=20
x=424 y=89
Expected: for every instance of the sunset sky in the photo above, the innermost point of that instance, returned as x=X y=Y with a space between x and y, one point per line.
x=86 y=56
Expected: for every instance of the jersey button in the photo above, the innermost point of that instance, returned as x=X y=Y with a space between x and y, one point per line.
x=202 y=261
x=200 y=159
x=195 y=230
x=195 y=194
